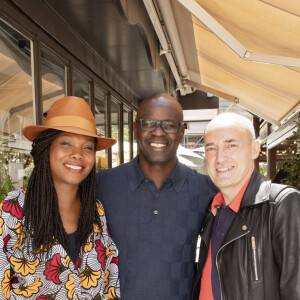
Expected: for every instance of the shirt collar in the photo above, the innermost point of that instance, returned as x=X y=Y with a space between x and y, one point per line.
x=234 y=205
x=178 y=176
x=136 y=175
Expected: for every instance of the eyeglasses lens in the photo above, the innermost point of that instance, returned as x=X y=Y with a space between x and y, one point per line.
x=167 y=126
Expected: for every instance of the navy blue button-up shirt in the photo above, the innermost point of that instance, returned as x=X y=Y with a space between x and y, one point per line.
x=155 y=230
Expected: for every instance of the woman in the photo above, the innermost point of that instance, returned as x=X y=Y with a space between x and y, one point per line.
x=54 y=242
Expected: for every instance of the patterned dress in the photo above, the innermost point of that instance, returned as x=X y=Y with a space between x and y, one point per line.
x=25 y=274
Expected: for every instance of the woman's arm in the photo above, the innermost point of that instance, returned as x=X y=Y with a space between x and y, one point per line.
x=111 y=279
x=5 y=272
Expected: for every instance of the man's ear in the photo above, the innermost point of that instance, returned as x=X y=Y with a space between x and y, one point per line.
x=255 y=149
x=181 y=133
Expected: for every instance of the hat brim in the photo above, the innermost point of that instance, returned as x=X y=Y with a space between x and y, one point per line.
x=33 y=131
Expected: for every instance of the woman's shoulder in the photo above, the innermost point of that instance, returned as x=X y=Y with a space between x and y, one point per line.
x=14 y=202
x=100 y=208
x=16 y=194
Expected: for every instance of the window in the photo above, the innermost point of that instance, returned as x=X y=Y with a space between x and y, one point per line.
x=126 y=135
x=16 y=107
x=100 y=116
x=115 y=131
x=135 y=146
x=53 y=79
x=80 y=86
x=18 y=90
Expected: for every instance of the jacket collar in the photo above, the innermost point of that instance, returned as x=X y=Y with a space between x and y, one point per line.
x=258 y=190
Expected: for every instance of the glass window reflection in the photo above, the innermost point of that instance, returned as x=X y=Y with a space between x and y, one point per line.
x=80 y=86
x=100 y=117
x=115 y=131
x=16 y=109
x=53 y=79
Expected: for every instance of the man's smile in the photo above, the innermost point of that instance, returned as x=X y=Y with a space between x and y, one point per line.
x=224 y=169
x=157 y=145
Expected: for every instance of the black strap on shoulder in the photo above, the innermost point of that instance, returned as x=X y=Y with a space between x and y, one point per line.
x=276 y=189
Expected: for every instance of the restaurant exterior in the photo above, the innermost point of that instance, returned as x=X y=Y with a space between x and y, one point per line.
x=115 y=53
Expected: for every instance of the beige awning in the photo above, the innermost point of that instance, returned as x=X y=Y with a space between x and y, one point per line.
x=249 y=50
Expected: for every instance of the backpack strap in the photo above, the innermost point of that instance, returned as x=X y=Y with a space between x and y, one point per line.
x=276 y=189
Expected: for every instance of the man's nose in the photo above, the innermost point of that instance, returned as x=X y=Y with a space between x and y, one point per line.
x=158 y=130
x=221 y=155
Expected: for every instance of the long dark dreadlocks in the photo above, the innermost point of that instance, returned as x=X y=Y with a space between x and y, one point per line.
x=43 y=223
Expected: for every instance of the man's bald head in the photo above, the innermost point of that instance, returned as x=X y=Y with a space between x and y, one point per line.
x=161 y=100
x=230 y=119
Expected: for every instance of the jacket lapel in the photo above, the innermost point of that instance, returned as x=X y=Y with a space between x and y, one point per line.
x=257 y=192
x=207 y=228
x=238 y=229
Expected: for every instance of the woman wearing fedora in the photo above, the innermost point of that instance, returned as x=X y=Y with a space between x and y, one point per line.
x=54 y=242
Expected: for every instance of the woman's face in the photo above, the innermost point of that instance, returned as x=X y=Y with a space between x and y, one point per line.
x=72 y=157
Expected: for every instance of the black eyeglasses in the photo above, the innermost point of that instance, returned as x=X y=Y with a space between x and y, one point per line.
x=167 y=126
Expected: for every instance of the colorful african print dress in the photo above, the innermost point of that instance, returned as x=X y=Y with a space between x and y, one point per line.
x=24 y=274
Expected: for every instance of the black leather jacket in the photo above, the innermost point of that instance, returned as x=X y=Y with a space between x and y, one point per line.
x=260 y=255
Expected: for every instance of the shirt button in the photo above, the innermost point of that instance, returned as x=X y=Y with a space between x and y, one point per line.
x=244 y=227
x=156 y=212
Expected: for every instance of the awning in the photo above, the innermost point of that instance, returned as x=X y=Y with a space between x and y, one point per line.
x=244 y=51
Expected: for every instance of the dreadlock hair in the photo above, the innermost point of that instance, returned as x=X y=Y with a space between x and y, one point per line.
x=43 y=223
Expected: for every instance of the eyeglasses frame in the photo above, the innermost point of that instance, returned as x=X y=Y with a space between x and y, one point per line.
x=160 y=123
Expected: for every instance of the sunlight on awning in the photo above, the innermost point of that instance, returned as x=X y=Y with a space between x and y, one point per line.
x=230 y=37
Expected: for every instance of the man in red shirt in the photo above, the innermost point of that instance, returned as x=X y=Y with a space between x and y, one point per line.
x=250 y=246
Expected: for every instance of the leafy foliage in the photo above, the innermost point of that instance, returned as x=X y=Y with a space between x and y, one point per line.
x=293 y=166
x=5 y=187
x=6 y=182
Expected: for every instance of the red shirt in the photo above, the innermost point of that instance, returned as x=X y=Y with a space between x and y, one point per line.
x=206 y=287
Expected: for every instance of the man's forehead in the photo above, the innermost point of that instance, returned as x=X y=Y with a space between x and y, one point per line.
x=225 y=135
x=221 y=141
x=160 y=112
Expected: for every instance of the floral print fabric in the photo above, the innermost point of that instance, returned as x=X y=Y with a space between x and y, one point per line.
x=25 y=274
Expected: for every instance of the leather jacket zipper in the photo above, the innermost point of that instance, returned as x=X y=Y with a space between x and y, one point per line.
x=253 y=244
x=218 y=269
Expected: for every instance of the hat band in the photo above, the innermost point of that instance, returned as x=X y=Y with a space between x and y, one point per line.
x=72 y=121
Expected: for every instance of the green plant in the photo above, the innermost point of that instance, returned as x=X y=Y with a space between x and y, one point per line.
x=263 y=168
x=293 y=166
x=6 y=182
x=5 y=187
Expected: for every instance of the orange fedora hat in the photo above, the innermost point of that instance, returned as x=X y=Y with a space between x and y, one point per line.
x=70 y=114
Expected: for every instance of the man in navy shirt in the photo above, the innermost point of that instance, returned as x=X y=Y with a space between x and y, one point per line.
x=155 y=206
